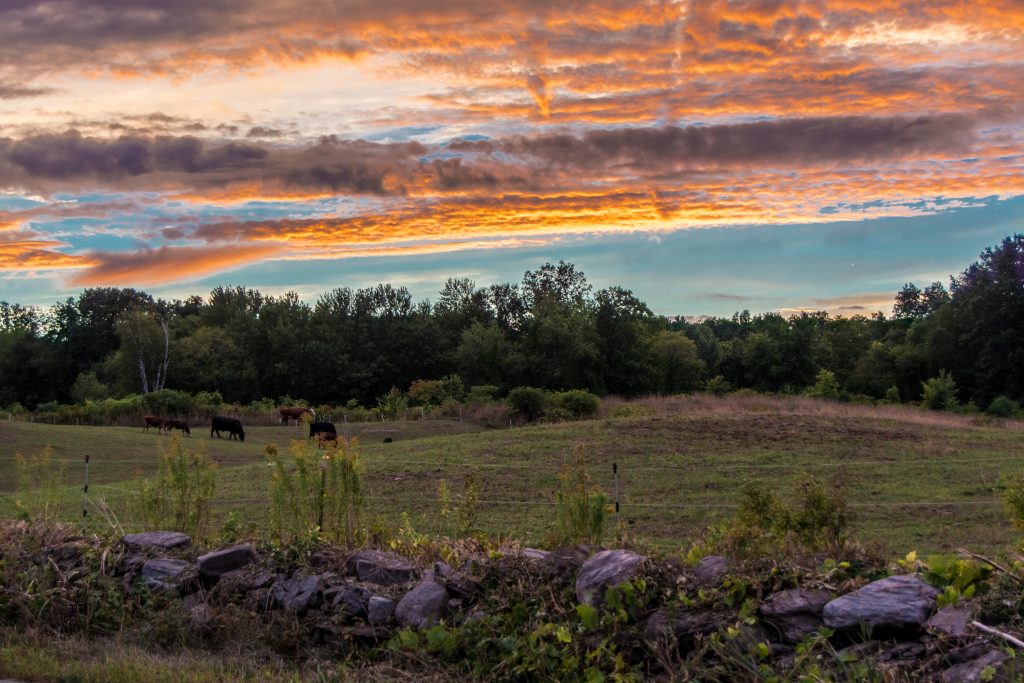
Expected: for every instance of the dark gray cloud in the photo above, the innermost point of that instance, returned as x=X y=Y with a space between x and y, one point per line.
x=72 y=160
x=16 y=91
x=263 y=132
x=786 y=142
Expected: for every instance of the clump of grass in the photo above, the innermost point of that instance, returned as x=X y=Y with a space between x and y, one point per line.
x=179 y=497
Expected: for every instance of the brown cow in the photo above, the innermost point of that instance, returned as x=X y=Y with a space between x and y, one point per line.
x=153 y=421
x=295 y=413
x=177 y=424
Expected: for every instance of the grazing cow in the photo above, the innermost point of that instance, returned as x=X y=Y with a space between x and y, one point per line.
x=153 y=421
x=315 y=427
x=227 y=424
x=324 y=438
x=295 y=413
x=177 y=424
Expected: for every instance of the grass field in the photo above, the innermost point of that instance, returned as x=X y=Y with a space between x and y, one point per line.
x=915 y=480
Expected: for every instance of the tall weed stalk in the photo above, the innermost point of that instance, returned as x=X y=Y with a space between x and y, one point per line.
x=179 y=497
x=579 y=505
x=313 y=489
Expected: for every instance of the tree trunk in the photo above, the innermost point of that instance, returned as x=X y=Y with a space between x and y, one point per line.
x=161 y=372
x=141 y=361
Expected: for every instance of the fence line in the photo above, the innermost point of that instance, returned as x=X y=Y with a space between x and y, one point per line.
x=643 y=468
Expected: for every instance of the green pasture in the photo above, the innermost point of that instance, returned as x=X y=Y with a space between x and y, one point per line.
x=911 y=486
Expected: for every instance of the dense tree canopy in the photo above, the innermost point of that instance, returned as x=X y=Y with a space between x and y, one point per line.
x=551 y=331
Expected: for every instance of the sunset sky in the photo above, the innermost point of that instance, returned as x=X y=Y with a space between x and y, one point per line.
x=709 y=155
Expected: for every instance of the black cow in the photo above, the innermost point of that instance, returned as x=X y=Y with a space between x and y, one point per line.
x=315 y=427
x=227 y=424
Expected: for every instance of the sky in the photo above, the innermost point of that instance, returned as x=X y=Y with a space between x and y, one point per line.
x=711 y=155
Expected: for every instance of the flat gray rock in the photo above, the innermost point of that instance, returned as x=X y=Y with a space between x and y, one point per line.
x=298 y=593
x=423 y=606
x=711 y=569
x=385 y=569
x=379 y=610
x=974 y=671
x=795 y=613
x=163 y=574
x=603 y=570
x=222 y=561
x=892 y=602
x=352 y=600
x=683 y=627
x=951 y=620
x=164 y=540
x=535 y=554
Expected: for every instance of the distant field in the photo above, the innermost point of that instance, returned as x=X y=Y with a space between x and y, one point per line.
x=914 y=479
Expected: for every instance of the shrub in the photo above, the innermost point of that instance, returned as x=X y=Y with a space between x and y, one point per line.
x=818 y=517
x=168 y=402
x=424 y=392
x=392 y=403
x=892 y=395
x=452 y=387
x=179 y=497
x=482 y=393
x=577 y=402
x=1002 y=406
x=208 y=403
x=939 y=392
x=528 y=402
x=825 y=385
x=718 y=386
x=87 y=387
x=579 y=505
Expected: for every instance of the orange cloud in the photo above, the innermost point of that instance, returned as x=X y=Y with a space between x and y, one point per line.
x=31 y=255
x=166 y=264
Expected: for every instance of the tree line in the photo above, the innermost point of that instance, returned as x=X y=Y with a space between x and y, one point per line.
x=551 y=331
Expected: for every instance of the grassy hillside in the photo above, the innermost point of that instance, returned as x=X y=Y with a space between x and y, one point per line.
x=914 y=479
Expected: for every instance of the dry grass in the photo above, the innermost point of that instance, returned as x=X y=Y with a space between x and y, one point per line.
x=738 y=405
x=36 y=656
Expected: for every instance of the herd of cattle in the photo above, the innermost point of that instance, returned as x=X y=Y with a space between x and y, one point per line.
x=323 y=432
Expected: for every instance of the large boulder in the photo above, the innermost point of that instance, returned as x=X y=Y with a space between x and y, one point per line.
x=161 y=540
x=794 y=614
x=385 y=569
x=423 y=606
x=163 y=574
x=222 y=561
x=298 y=593
x=893 y=602
x=603 y=570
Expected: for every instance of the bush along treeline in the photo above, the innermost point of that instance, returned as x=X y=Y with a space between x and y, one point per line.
x=944 y=346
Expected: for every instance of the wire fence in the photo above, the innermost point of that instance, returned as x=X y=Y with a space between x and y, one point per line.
x=635 y=490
